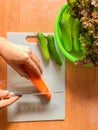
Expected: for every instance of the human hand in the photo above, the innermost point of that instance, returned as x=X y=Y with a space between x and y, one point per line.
x=17 y=55
x=6 y=99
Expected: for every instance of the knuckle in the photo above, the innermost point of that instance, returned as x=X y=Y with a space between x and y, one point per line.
x=27 y=54
x=26 y=57
x=35 y=68
x=29 y=51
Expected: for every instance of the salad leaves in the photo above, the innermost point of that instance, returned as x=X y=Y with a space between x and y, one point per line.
x=87 y=12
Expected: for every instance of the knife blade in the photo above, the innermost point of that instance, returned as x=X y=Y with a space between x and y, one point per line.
x=36 y=93
x=30 y=92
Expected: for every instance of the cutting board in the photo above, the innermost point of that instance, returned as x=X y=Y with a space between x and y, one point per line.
x=30 y=107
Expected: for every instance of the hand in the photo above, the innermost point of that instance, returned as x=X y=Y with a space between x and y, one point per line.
x=17 y=55
x=5 y=99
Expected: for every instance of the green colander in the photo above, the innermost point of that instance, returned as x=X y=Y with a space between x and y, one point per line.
x=72 y=55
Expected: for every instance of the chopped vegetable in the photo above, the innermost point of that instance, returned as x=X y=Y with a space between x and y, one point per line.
x=43 y=46
x=37 y=81
x=53 y=50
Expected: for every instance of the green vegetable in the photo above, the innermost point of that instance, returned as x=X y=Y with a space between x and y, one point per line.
x=81 y=2
x=43 y=46
x=64 y=38
x=76 y=33
x=87 y=13
x=83 y=44
x=53 y=50
x=85 y=3
x=66 y=27
x=72 y=2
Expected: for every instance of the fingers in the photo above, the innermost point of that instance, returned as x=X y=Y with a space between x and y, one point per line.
x=24 y=56
x=34 y=63
x=5 y=99
x=19 y=69
x=37 y=62
x=34 y=67
x=7 y=102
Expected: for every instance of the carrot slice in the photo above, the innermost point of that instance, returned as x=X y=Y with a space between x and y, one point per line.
x=37 y=81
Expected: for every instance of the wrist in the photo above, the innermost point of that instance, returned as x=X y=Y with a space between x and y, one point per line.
x=2 y=44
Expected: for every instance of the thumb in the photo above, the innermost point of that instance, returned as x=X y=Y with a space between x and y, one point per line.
x=3 y=93
x=7 y=102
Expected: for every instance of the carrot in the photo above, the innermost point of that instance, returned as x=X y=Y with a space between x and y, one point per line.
x=37 y=81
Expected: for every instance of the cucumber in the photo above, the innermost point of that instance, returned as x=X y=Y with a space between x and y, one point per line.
x=43 y=46
x=66 y=29
x=53 y=50
x=64 y=39
x=76 y=34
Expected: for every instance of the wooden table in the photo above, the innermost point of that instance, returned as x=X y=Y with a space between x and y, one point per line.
x=81 y=82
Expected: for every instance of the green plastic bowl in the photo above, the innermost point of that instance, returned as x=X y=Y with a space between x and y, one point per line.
x=73 y=55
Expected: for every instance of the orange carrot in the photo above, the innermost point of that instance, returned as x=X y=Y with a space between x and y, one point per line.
x=37 y=81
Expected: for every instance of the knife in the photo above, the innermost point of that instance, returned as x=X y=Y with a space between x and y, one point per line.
x=37 y=93
x=33 y=93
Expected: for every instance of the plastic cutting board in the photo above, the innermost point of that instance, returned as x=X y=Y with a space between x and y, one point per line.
x=30 y=107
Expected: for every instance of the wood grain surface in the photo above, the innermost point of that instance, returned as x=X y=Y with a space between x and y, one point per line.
x=81 y=82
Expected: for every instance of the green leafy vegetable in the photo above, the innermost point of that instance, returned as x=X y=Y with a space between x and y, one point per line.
x=87 y=13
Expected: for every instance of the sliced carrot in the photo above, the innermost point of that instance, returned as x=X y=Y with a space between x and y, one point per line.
x=37 y=81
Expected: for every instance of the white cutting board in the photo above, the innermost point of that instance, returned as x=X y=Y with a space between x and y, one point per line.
x=30 y=107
